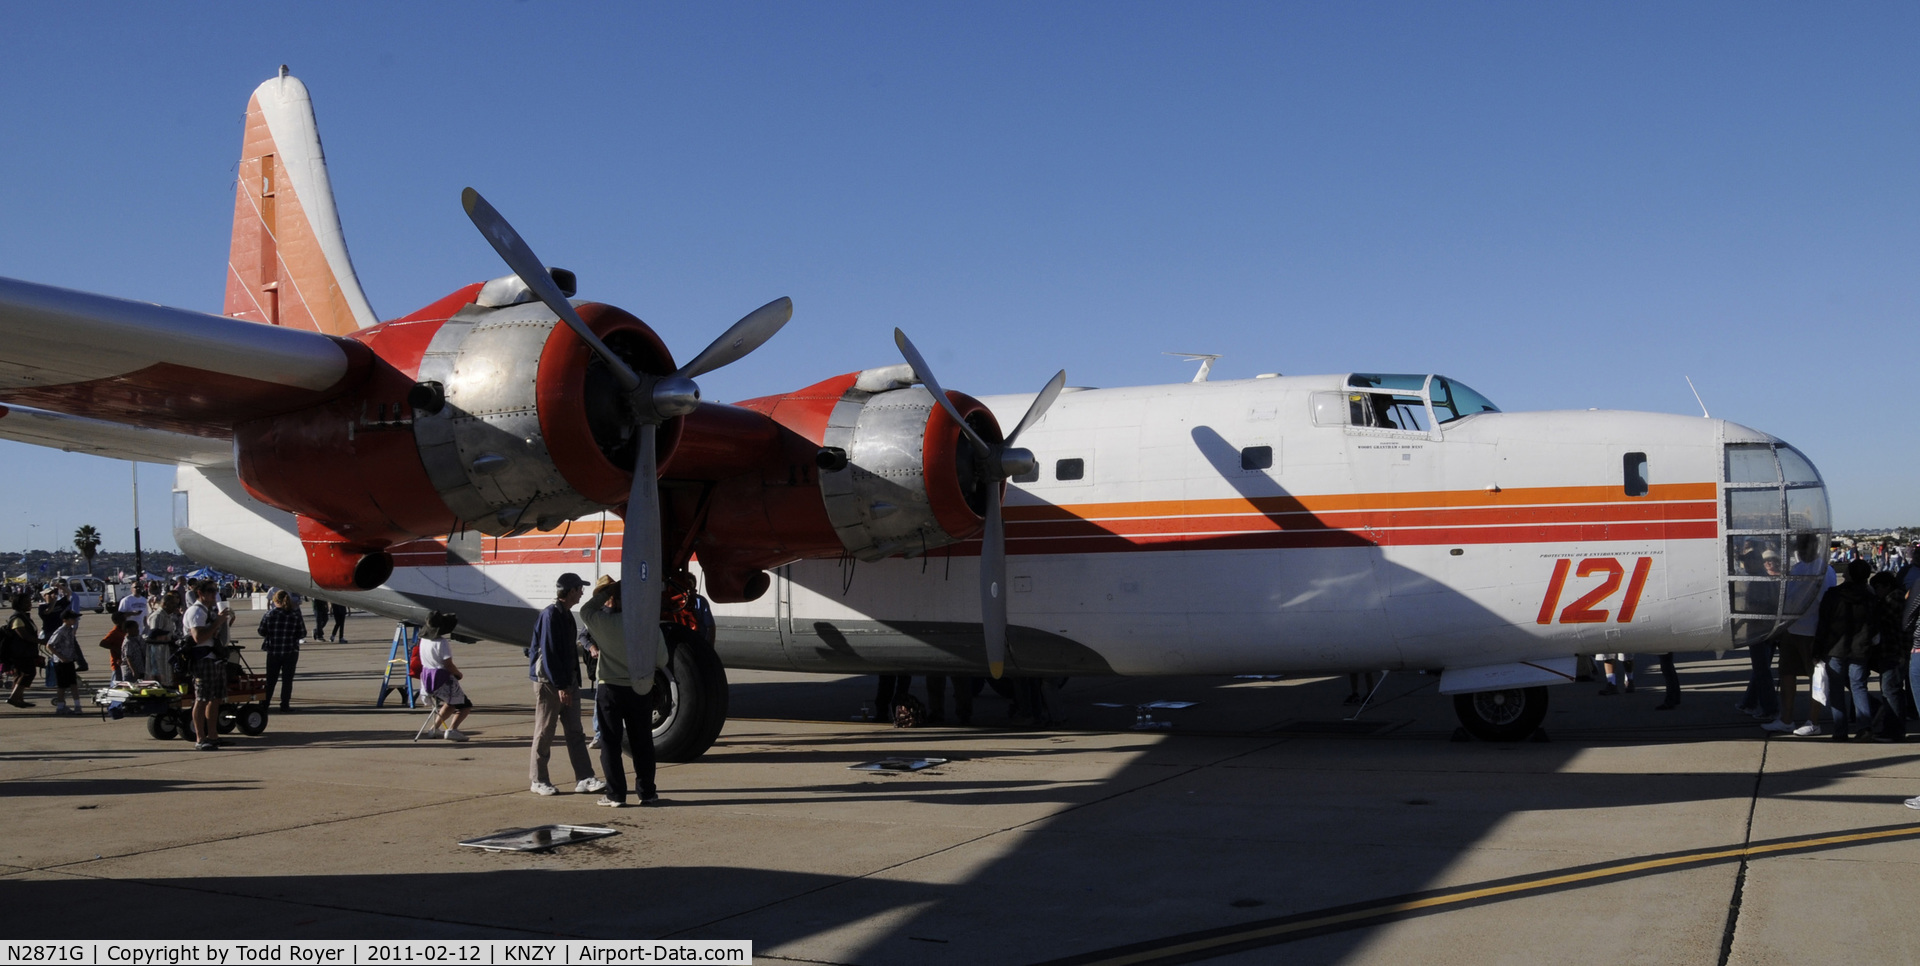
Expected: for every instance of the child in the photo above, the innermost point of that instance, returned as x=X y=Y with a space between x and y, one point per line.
x=64 y=646
x=440 y=677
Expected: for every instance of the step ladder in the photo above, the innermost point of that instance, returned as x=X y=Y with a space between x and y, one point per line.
x=405 y=637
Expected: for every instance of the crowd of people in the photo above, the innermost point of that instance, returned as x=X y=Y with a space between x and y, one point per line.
x=1867 y=624
x=162 y=633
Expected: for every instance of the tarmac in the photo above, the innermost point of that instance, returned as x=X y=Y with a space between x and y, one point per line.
x=1261 y=826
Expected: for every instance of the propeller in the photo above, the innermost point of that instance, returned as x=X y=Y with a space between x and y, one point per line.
x=652 y=401
x=998 y=464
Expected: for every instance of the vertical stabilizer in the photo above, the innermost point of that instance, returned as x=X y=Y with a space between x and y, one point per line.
x=288 y=264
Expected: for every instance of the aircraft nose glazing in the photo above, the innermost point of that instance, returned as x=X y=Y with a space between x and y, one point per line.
x=1777 y=528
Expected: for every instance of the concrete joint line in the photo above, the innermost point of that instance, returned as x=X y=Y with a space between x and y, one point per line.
x=1740 y=878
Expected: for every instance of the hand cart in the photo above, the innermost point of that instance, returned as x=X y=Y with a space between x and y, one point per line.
x=169 y=710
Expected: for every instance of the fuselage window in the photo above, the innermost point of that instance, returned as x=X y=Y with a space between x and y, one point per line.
x=1256 y=458
x=1634 y=467
x=1069 y=469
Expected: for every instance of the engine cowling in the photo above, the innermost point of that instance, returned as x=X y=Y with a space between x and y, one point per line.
x=479 y=412
x=897 y=476
x=862 y=463
x=519 y=426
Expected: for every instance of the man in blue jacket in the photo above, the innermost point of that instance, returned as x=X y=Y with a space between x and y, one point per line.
x=553 y=664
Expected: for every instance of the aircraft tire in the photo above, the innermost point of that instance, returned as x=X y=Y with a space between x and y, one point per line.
x=1509 y=715
x=690 y=699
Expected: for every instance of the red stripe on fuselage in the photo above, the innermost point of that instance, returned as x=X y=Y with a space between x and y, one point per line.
x=1448 y=518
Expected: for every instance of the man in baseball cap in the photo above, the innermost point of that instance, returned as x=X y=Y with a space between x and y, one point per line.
x=553 y=664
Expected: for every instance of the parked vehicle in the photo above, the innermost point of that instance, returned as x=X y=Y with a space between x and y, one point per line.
x=89 y=593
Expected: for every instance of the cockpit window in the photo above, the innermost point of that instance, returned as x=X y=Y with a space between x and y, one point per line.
x=1410 y=403
x=1452 y=400
x=1382 y=410
x=1374 y=380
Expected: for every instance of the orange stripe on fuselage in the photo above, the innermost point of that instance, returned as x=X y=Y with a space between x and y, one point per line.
x=1415 y=499
x=1552 y=514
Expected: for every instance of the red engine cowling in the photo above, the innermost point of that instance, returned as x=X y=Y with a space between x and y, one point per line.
x=863 y=463
x=478 y=412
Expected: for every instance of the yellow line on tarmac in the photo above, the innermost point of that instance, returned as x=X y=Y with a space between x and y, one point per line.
x=1471 y=893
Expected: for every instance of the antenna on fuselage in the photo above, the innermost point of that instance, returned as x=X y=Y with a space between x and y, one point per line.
x=1205 y=359
x=1696 y=398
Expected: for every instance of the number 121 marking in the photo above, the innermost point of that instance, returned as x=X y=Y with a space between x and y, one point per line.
x=1584 y=611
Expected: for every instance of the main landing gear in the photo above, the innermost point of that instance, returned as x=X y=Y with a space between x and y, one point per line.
x=1513 y=714
x=689 y=698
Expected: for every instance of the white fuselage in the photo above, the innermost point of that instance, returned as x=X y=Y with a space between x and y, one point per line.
x=1254 y=526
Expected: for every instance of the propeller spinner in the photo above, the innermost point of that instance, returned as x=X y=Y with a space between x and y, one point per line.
x=652 y=400
x=998 y=464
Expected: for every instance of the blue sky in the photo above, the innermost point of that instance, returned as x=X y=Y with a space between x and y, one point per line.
x=1563 y=205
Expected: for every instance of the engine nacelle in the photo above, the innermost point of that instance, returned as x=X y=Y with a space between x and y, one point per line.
x=519 y=426
x=864 y=463
x=479 y=412
x=482 y=412
x=896 y=474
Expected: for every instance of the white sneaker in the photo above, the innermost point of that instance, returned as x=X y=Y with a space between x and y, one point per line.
x=1777 y=726
x=1912 y=803
x=431 y=733
x=595 y=743
x=542 y=788
x=1809 y=730
x=454 y=734
x=589 y=784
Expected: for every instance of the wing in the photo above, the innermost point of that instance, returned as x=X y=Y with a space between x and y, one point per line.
x=77 y=434
x=150 y=366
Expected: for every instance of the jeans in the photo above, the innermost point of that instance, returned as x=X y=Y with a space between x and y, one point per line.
x=277 y=665
x=1913 y=679
x=1760 y=691
x=1844 y=676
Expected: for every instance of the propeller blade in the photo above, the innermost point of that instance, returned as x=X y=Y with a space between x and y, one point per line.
x=921 y=369
x=746 y=335
x=640 y=578
x=1041 y=404
x=515 y=252
x=993 y=584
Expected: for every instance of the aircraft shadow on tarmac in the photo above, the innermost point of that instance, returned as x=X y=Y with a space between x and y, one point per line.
x=1196 y=833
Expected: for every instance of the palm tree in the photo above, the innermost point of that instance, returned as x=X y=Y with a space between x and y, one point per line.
x=87 y=540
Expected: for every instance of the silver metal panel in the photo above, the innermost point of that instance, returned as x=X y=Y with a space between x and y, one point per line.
x=484 y=451
x=878 y=504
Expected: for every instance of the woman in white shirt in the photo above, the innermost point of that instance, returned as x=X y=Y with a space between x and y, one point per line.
x=440 y=677
x=162 y=636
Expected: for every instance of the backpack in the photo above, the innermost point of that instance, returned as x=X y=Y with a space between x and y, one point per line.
x=413 y=661
x=1848 y=622
x=908 y=712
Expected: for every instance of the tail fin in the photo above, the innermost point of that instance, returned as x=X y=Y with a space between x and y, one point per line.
x=288 y=264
